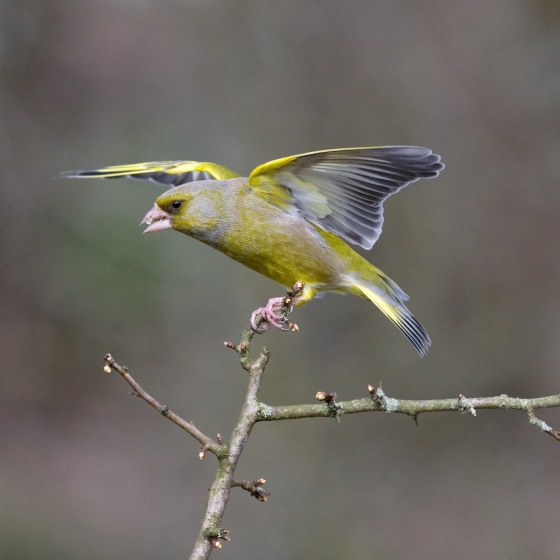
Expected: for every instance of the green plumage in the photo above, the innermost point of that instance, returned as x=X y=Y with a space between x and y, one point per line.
x=289 y=219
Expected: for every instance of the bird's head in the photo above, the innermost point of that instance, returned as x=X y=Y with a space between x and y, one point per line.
x=169 y=209
x=193 y=209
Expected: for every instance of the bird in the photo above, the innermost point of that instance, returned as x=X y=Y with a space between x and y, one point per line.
x=293 y=220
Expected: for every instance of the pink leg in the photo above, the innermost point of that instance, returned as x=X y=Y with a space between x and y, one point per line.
x=276 y=312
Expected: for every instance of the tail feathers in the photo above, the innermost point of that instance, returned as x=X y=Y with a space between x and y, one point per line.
x=394 y=309
x=392 y=287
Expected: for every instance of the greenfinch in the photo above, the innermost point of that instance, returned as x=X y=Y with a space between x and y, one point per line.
x=292 y=218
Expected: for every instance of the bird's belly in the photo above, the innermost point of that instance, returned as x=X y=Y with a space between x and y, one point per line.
x=286 y=255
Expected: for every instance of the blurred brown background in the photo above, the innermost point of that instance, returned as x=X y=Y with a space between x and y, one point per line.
x=87 y=473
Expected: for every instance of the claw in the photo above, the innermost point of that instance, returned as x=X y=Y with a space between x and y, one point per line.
x=264 y=324
x=276 y=313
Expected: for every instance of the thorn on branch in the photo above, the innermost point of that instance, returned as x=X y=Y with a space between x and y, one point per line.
x=220 y=439
x=465 y=405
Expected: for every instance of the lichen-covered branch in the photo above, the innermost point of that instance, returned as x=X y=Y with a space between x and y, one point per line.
x=543 y=426
x=378 y=401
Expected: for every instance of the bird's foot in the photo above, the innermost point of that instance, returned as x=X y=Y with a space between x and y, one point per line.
x=277 y=310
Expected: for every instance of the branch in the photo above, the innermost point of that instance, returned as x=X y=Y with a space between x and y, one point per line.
x=228 y=454
x=207 y=443
x=254 y=488
x=254 y=411
x=380 y=402
x=210 y=532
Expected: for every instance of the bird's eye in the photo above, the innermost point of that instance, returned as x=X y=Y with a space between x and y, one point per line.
x=176 y=204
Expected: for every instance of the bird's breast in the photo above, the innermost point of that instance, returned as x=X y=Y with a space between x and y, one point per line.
x=280 y=245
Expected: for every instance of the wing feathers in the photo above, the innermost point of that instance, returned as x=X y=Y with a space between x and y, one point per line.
x=164 y=172
x=355 y=182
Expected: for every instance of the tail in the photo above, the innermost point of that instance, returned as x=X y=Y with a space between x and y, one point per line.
x=389 y=298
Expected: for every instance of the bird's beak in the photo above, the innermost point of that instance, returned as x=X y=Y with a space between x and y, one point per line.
x=156 y=219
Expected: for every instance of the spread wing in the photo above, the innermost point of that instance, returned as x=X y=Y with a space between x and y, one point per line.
x=342 y=191
x=165 y=172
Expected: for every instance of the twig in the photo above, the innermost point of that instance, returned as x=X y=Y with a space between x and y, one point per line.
x=379 y=402
x=254 y=488
x=207 y=443
x=543 y=426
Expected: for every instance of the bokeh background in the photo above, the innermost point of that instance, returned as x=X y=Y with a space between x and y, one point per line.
x=87 y=473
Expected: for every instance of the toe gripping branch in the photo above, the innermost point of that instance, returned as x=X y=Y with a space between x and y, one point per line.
x=277 y=311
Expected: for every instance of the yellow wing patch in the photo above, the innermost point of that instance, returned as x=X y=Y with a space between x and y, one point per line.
x=165 y=172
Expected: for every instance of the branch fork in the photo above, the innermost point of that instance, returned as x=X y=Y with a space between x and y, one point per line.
x=253 y=411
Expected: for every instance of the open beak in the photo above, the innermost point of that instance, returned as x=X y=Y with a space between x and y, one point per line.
x=156 y=219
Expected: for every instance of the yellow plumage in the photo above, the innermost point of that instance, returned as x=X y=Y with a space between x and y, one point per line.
x=290 y=218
